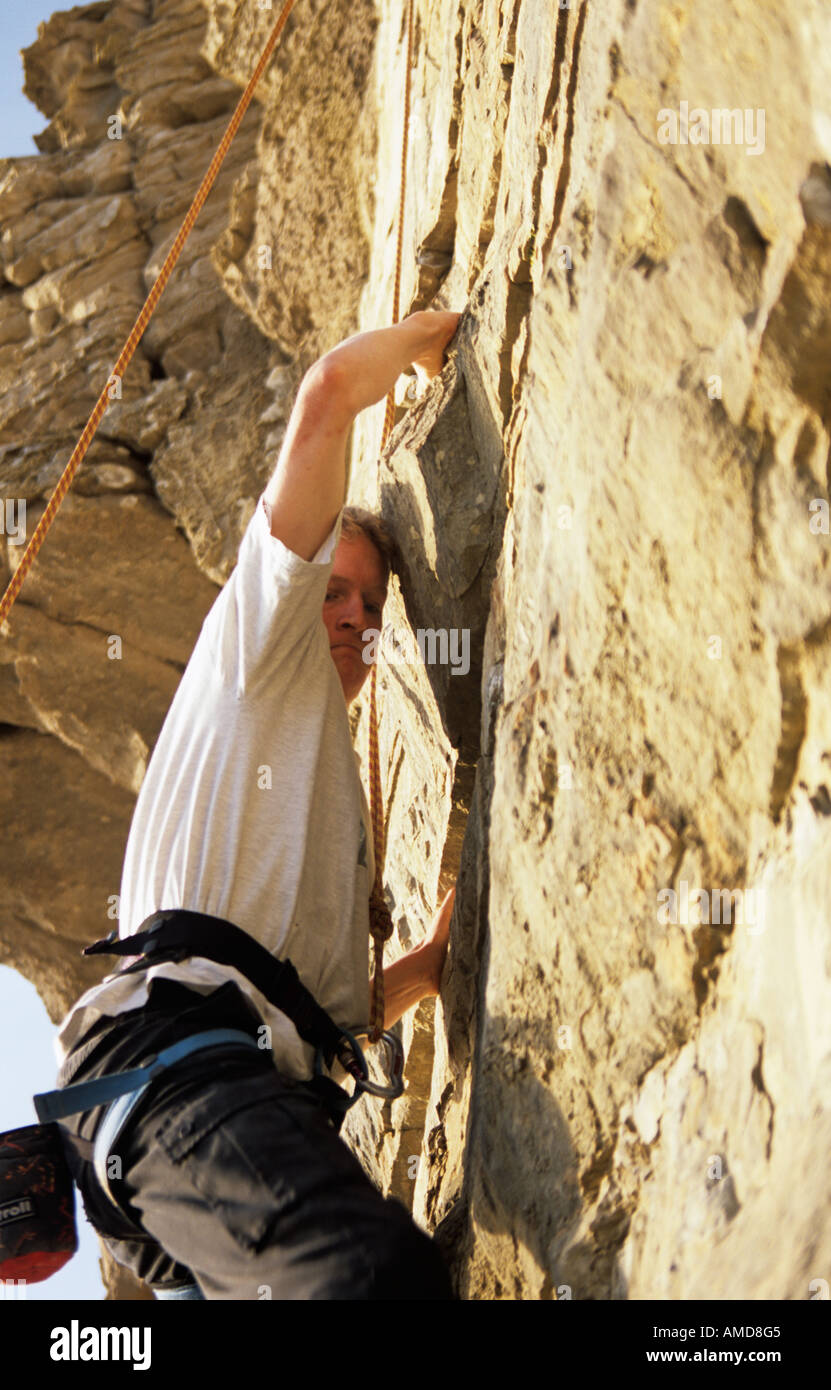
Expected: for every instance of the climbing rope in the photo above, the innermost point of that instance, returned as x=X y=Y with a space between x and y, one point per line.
x=380 y=922
x=65 y=480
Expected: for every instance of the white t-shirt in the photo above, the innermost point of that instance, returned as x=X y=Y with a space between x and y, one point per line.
x=252 y=807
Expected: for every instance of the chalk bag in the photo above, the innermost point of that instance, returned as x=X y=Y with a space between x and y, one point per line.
x=37 y=1204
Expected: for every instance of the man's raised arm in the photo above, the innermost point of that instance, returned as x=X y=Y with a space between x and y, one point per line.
x=308 y=486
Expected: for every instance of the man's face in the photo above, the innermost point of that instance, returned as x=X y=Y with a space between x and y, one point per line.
x=354 y=602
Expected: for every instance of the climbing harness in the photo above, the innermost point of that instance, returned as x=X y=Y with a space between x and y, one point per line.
x=37 y=1227
x=380 y=921
x=178 y=934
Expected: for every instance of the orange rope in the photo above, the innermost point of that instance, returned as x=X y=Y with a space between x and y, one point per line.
x=380 y=922
x=65 y=480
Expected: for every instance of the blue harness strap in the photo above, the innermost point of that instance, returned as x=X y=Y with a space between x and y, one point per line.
x=118 y=1113
x=55 y=1105
x=125 y=1090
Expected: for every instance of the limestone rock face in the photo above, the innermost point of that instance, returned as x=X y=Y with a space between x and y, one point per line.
x=617 y=489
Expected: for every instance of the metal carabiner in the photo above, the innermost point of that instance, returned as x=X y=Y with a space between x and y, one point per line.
x=357 y=1057
x=394 y=1068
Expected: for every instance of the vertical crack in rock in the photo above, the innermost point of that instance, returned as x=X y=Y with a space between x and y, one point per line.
x=517 y=306
x=710 y=943
x=434 y=255
x=792 y=727
x=758 y=1081
x=475 y=73
x=568 y=131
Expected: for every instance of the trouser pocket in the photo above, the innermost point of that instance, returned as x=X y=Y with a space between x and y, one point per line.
x=247 y=1184
x=236 y=1145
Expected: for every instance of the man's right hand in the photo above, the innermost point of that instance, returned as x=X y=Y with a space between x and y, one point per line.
x=307 y=488
x=442 y=324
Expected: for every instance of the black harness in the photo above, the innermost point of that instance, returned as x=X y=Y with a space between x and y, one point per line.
x=33 y=1241
x=176 y=934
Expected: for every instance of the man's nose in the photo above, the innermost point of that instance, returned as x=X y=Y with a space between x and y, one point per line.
x=354 y=613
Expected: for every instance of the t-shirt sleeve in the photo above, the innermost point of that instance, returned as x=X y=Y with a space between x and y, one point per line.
x=270 y=611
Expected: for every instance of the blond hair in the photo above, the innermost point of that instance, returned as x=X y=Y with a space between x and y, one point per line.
x=358 y=521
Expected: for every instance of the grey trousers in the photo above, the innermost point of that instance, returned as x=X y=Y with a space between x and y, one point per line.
x=234 y=1175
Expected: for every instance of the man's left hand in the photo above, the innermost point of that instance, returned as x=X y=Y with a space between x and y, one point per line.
x=435 y=942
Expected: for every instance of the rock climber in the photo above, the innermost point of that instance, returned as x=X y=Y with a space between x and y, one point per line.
x=229 y=1179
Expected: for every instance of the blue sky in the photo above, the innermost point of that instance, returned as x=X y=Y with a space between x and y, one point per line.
x=19 y=117
x=26 y=1033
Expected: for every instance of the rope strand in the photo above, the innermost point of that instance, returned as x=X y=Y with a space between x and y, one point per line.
x=381 y=926
x=380 y=922
x=65 y=481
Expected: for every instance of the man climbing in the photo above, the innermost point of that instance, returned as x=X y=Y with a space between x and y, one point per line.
x=229 y=1169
